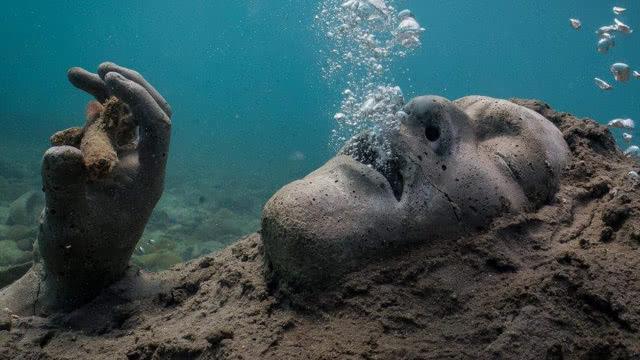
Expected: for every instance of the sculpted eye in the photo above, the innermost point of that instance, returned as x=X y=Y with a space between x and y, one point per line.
x=432 y=133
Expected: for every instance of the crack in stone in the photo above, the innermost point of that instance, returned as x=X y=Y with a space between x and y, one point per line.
x=454 y=207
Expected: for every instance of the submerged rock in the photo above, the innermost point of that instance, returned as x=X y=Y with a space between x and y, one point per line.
x=26 y=243
x=11 y=273
x=10 y=254
x=26 y=209
x=20 y=232
x=11 y=189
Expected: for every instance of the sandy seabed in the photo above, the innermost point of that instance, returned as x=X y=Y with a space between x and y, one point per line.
x=559 y=283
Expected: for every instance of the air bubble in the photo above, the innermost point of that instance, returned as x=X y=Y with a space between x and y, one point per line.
x=365 y=37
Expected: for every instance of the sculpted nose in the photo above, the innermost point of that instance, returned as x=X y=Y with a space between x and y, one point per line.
x=436 y=122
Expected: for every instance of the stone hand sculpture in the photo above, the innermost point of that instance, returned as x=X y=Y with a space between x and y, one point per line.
x=452 y=168
x=98 y=199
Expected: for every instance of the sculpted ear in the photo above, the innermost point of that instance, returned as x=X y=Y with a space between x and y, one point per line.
x=524 y=144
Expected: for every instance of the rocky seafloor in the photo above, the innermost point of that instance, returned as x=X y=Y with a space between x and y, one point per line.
x=562 y=282
x=194 y=217
x=20 y=205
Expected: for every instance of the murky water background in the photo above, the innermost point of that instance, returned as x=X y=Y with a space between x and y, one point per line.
x=254 y=105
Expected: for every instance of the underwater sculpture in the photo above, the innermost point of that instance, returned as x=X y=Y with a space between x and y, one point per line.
x=454 y=166
x=558 y=282
x=96 y=203
x=451 y=169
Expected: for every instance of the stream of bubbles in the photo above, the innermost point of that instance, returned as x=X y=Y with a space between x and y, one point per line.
x=365 y=37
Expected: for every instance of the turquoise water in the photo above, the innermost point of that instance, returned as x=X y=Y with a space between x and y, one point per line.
x=252 y=110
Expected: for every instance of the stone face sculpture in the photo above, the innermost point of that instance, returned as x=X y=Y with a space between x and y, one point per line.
x=91 y=224
x=454 y=166
x=449 y=170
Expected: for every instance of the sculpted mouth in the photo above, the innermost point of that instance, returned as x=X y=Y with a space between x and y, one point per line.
x=372 y=150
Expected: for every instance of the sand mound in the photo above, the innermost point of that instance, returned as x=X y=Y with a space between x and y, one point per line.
x=563 y=282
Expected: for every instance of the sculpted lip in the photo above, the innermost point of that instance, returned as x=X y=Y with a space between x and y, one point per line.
x=370 y=149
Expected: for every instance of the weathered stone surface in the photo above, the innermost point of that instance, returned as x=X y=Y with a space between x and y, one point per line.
x=91 y=224
x=452 y=168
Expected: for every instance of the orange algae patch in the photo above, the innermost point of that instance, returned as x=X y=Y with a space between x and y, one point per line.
x=109 y=127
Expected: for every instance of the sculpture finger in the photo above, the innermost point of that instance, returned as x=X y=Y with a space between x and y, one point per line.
x=155 y=125
x=63 y=178
x=135 y=76
x=88 y=82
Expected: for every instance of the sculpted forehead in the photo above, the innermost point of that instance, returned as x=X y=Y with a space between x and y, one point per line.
x=492 y=117
x=501 y=118
x=527 y=145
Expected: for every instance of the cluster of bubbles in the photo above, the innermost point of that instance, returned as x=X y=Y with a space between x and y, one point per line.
x=379 y=106
x=364 y=37
x=620 y=72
